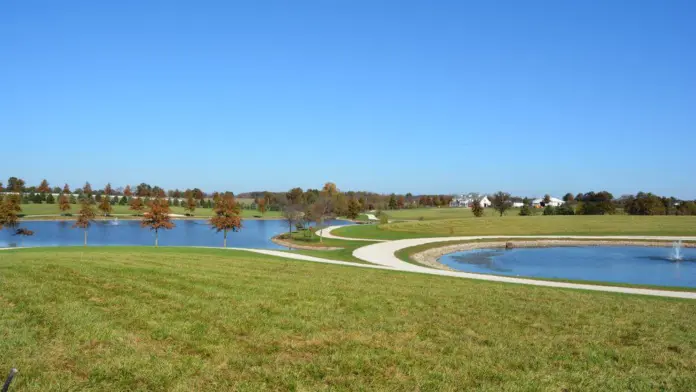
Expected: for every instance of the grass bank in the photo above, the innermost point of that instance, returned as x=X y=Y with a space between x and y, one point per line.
x=193 y=319
x=345 y=253
x=529 y=225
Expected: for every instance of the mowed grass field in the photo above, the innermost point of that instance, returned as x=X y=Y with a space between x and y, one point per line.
x=173 y=319
x=528 y=225
x=441 y=213
x=29 y=210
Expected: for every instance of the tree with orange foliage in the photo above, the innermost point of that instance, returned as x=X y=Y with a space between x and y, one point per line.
x=85 y=217
x=105 y=205
x=43 y=187
x=190 y=205
x=330 y=188
x=226 y=216
x=136 y=205
x=87 y=190
x=261 y=205
x=66 y=189
x=127 y=192
x=64 y=204
x=8 y=212
x=157 y=218
x=108 y=190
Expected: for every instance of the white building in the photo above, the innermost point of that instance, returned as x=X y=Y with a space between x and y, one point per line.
x=555 y=202
x=517 y=204
x=466 y=201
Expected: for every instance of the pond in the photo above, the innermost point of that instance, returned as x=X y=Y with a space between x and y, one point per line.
x=254 y=234
x=619 y=264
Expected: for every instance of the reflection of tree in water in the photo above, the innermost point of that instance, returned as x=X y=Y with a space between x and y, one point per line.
x=484 y=259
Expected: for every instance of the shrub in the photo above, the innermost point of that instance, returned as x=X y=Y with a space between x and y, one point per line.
x=565 y=209
x=383 y=219
x=476 y=208
x=50 y=199
x=549 y=210
x=526 y=210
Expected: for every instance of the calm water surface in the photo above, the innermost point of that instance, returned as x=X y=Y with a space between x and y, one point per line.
x=636 y=265
x=254 y=234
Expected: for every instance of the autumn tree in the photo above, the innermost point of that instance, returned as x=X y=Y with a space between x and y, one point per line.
x=292 y=213
x=107 y=189
x=9 y=209
x=105 y=205
x=261 y=206
x=127 y=191
x=136 y=204
x=44 y=187
x=87 y=190
x=226 y=216
x=66 y=189
x=190 y=204
x=501 y=202
x=157 y=218
x=85 y=217
x=323 y=209
x=330 y=189
x=15 y=184
x=64 y=204
x=294 y=196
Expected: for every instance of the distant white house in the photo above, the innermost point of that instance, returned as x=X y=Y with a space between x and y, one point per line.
x=555 y=202
x=466 y=201
x=517 y=204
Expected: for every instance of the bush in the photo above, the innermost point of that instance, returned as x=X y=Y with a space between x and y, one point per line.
x=50 y=199
x=549 y=210
x=476 y=208
x=526 y=211
x=383 y=219
x=565 y=209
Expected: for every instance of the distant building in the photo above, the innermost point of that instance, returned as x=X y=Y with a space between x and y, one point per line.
x=467 y=201
x=539 y=203
x=517 y=204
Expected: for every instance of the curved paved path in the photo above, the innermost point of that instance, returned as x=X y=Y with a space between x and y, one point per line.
x=382 y=253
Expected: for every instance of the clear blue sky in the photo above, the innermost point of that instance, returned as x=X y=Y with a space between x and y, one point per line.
x=530 y=97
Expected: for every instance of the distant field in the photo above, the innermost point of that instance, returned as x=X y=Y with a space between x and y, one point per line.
x=52 y=209
x=173 y=319
x=529 y=225
x=440 y=213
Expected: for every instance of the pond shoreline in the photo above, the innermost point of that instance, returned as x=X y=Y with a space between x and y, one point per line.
x=430 y=257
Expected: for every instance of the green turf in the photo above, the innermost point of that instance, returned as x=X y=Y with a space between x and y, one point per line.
x=28 y=210
x=344 y=254
x=439 y=213
x=528 y=225
x=174 y=319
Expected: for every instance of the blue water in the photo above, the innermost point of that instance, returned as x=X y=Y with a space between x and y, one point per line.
x=636 y=265
x=254 y=234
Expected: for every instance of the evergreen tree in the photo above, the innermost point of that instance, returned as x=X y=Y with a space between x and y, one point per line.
x=50 y=199
x=73 y=199
x=123 y=201
x=477 y=208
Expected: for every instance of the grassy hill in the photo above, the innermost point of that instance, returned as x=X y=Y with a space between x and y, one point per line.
x=173 y=319
x=529 y=225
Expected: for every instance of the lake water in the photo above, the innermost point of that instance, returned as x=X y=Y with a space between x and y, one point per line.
x=254 y=234
x=636 y=265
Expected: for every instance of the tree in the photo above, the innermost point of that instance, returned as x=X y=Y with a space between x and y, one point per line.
x=323 y=209
x=226 y=216
x=9 y=209
x=136 y=205
x=549 y=210
x=73 y=199
x=547 y=199
x=526 y=209
x=66 y=189
x=477 y=208
x=353 y=209
x=123 y=201
x=85 y=217
x=15 y=184
x=143 y=190
x=64 y=204
x=501 y=202
x=105 y=205
x=157 y=218
x=292 y=213
x=330 y=188
x=44 y=187
x=261 y=206
x=108 y=190
x=294 y=196
x=127 y=191
x=87 y=189
x=1 y=188
x=190 y=204
x=568 y=198
x=50 y=199
x=392 y=202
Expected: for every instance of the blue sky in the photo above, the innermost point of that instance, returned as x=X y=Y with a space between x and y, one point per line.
x=425 y=97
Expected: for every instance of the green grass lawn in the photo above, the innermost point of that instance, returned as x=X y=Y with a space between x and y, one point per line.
x=52 y=209
x=528 y=225
x=439 y=213
x=174 y=319
x=343 y=254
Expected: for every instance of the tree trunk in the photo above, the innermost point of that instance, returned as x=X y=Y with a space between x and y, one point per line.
x=224 y=242
x=85 y=237
x=156 y=239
